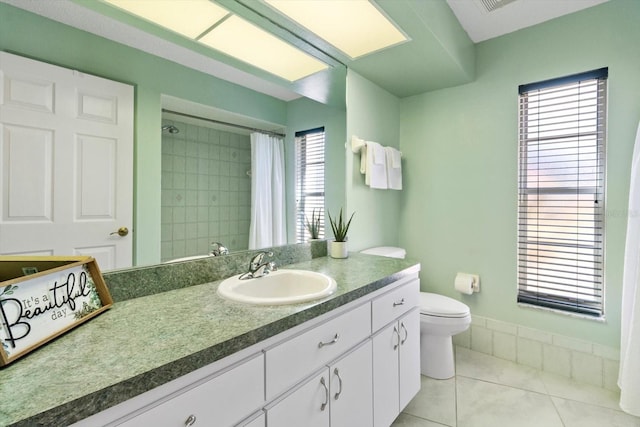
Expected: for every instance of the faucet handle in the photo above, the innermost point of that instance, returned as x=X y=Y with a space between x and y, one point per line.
x=257 y=260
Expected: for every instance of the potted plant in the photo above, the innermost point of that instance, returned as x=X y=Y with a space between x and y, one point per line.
x=340 y=229
x=313 y=226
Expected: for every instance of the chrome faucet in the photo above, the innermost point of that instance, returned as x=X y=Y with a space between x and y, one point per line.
x=217 y=249
x=258 y=267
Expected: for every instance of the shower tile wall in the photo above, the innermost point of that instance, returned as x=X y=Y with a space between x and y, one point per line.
x=206 y=192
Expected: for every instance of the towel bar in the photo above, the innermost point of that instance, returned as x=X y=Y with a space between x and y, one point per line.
x=358 y=144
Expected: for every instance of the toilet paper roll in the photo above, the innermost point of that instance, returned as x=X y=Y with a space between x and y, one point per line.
x=464 y=283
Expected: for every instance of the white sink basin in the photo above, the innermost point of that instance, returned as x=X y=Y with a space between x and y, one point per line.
x=278 y=287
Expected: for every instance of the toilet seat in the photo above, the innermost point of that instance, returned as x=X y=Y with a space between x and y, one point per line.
x=442 y=306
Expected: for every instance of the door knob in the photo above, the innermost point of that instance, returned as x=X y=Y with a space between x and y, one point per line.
x=122 y=231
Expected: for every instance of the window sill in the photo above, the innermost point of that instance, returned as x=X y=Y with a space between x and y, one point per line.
x=599 y=319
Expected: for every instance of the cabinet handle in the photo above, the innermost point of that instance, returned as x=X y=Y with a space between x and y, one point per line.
x=333 y=341
x=395 y=304
x=395 y=331
x=191 y=420
x=406 y=333
x=337 y=374
x=326 y=394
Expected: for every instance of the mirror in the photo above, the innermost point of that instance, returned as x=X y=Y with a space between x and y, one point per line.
x=157 y=63
x=206 y=178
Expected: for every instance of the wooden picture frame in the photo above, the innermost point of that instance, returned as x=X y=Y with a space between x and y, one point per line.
x=41 y=298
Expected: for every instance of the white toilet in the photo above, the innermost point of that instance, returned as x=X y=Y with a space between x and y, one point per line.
x=441 y=317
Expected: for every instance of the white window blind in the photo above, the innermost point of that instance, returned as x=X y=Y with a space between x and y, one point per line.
x=309 y=180
x=561 y=193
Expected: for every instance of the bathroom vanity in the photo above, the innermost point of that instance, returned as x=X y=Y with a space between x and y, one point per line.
x=189 y=357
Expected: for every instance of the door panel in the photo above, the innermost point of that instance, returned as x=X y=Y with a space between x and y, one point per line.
x=95 y=180
x=66 y=152
x=27 y=190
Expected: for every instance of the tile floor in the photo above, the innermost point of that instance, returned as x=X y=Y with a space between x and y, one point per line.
x=491 y=392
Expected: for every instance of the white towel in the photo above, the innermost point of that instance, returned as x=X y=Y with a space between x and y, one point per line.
x=376 y=169
x=378 y=154
x=394 y=168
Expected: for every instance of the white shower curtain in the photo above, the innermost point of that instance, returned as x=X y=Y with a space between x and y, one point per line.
x=629 y=375
x=268 y=227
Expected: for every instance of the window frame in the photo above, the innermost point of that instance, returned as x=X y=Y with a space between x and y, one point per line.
x=543 y=276
x=309 y=167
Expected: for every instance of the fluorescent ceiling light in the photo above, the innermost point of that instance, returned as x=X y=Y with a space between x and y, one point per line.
x=356 y=27
x=187 y=17
x=214 y=26
x=242 y=40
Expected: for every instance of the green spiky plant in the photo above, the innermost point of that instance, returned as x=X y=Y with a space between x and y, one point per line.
x=313 y=226
x=339 y=227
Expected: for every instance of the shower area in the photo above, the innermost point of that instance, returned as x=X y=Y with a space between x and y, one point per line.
x=206 y=188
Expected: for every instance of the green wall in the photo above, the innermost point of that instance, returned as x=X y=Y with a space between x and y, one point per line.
x=304 y=114
x=459 y=207
x=30 y=35
x=373 y=114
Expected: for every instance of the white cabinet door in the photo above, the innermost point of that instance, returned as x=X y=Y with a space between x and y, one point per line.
x=66 y=163
x=352 y=388
x=409 y=357
x=307 y=405
x=386 y=387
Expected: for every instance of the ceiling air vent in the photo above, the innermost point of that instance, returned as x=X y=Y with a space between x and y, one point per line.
x=491 y=5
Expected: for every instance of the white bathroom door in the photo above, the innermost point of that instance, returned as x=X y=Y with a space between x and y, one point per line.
x=66 y=158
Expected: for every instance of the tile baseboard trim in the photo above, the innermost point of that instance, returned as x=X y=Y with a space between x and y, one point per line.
x=579 y=360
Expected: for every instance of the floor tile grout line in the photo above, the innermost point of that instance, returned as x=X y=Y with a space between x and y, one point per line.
x=508 y=385
x=541 y=373
x=546 y=392
x=557 y=410
x=455 y=396
x=426 y=419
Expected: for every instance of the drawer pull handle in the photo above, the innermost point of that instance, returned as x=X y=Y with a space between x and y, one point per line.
x=395 y=331
x=191 y=420
x=395 y=304
x=406 y=333
x=333 y=341
x=326 y=394
x=337 y=374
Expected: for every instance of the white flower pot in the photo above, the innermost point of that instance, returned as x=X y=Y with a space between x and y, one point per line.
x=338 y=249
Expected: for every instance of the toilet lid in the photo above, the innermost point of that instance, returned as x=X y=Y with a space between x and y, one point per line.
x=440 y=305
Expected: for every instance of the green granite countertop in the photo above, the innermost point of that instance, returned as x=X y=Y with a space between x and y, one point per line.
x=144 y=342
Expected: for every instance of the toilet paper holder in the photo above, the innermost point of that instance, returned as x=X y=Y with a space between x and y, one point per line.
x=467 y=283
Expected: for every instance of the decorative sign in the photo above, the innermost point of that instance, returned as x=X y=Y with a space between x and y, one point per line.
x=43 y=297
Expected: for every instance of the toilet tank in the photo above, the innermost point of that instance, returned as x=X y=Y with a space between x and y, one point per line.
x=388 y=251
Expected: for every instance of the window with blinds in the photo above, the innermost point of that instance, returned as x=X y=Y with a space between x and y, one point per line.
x=309 y=180
x=561 y=193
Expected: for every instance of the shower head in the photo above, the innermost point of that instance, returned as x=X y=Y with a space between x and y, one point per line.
x=170 y=128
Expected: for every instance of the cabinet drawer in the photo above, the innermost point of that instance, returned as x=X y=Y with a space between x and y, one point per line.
x=222 y=400
x=291 y=361
x=394 y=304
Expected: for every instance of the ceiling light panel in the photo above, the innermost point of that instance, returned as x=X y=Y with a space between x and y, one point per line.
x=243 y=40
x=187 y=17
x=356 y=27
